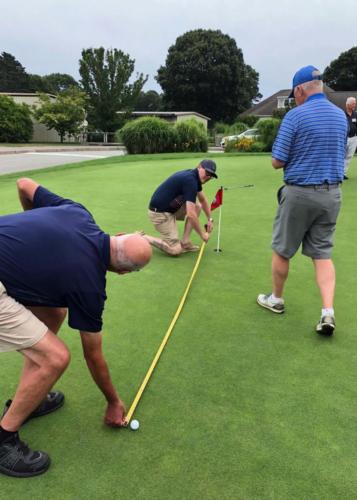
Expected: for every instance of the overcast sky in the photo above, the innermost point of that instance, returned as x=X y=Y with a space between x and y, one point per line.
x=276 y=37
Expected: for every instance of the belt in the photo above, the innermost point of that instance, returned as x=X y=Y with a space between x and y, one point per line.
x=325 y=185
x=153 y=209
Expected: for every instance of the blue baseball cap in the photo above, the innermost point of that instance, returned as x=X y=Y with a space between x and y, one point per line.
x=305 y=74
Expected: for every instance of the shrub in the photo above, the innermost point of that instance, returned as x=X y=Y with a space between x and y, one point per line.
x=233 y=129
x=237 y=128
x=243 y=144
x=220 y=128
x=268 y=129
x=15 y=121
x=249 y=120
x=257 y=147
x=148 y=135
x=191 y=136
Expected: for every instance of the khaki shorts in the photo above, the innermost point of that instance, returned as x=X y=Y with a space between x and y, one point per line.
x=19 y=328
x=165 y=224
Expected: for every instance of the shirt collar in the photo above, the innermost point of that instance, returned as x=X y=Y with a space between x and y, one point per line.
x=312 y=97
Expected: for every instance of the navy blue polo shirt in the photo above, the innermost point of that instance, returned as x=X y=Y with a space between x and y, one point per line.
x=352 y=123
x=311 y=141
x=176 y=190
x=56 y=255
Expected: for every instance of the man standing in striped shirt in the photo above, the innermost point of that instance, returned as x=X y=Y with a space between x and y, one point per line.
x=310 y=147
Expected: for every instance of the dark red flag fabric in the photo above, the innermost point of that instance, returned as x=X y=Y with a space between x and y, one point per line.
x=218 y=200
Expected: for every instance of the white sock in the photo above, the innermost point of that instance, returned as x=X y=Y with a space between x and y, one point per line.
x=327 y=312
x=276 y=300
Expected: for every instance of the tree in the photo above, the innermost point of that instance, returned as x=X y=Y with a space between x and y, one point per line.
x=66 y=114
x=149 y=101
x=104 y=77
x=37 y=83
x=205 y=72
x=15 y=121
x=13 y=77
x=341 y=74
x=55 y=83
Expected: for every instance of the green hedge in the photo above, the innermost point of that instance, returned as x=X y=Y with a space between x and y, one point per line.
x=191 y=136
x=148 y=135
x=154 y=135
x=15 y=121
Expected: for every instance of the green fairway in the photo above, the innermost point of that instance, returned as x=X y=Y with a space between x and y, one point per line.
x=243 y=404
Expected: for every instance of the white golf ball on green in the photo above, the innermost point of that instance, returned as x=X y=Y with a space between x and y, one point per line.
x=134 y=425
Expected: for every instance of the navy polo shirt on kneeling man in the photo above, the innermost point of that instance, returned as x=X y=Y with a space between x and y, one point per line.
x=56 y=255
x=176 y=190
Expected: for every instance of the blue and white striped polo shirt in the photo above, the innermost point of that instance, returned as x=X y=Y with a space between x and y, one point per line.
x=311 y=142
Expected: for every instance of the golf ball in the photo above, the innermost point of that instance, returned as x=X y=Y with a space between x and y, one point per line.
x=134 y=425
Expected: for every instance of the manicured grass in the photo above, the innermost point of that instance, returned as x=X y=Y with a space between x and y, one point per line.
x=244 y=404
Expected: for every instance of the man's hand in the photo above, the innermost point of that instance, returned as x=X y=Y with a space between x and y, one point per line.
x=209 y=226
x=115 y=414
x=205 y=236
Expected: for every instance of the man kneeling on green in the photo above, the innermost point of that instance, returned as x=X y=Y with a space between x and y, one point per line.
x=175 y=199
x=54 y=258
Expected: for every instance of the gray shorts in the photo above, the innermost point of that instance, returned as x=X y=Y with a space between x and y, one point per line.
x=19 y=328
x=307 y=216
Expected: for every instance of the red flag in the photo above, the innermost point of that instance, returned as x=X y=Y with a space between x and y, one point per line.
x=218 y=200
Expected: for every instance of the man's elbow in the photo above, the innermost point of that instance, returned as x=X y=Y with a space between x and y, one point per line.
x=277 y=163
x=22 y=183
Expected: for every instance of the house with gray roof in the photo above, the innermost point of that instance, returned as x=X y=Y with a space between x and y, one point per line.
x=266 y=107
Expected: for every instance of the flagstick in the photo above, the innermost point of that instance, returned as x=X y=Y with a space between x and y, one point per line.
x=219 y=230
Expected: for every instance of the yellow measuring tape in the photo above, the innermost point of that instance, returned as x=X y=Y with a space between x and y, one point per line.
x=164 y=341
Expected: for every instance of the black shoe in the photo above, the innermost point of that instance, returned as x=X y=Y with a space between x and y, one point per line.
x=18 y=460
x=326 y=326
x=53 y=401
x=345 y=178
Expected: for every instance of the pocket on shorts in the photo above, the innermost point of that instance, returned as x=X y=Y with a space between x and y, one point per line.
x=281 y=195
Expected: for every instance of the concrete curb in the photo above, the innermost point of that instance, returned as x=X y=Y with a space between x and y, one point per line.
x=55 y=149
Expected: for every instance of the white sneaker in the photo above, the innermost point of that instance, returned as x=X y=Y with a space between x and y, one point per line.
x=326 y=326
x=267 y=302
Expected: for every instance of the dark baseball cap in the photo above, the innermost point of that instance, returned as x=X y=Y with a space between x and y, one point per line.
x=210 y=167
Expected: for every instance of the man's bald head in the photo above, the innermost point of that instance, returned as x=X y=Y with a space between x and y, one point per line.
x=129 y=252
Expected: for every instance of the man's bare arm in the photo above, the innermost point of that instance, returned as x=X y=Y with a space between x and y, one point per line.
x=206 y=207
x=97 y=365
x=194 y=220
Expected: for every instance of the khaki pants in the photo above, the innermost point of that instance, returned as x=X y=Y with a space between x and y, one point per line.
x=165 y=224
x=19 y=328
x=351 y=147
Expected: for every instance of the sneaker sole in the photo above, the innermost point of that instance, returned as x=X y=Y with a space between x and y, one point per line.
x=326 y=330
x=12 y=473
x=276 y=311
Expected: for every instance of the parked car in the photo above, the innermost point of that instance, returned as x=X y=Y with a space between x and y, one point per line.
x=251 y=133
